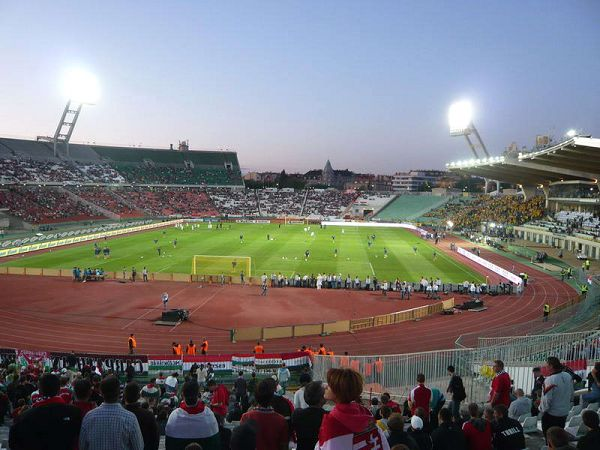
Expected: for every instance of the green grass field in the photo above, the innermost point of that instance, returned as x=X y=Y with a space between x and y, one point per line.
x=283 y=253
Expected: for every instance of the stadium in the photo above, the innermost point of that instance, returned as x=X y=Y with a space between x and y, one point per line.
x=137 y=264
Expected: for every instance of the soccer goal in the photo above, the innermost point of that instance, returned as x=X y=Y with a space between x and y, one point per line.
x=217 y=265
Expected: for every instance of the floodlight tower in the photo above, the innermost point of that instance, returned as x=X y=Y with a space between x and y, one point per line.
x=81 y=88
x=460 y=119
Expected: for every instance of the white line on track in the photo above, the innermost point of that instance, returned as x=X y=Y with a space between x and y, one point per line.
x=153 y=309
x=208 y=299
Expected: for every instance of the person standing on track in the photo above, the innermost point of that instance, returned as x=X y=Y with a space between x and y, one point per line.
x=546 y=311
x=165 y=300
x=145 y=274
x=131 y=343
x=191 y=349
x=204 y=347
x=263 y=284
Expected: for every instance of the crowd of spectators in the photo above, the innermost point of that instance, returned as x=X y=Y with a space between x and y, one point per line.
x=506 y=210
x=327 y=203
x=235 y=202
x=281 y=202
x=181 y=174
x=34 y=170
x=157 y=201
x=85 y=409
x=44 y=205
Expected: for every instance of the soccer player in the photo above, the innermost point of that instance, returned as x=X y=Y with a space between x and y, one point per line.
x=165 y=300
x=335 y=252
x=233 y=265
x=268 y=237
x=306 y=255
x=174 y=243
x=385 y=252
x=158 y=250
x=415 y=249
x=96 y=251
x=434 y=256
x=333 y=237
x=241 y=238
x=155 y=241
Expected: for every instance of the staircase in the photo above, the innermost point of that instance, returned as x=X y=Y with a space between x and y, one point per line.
x=99 y=209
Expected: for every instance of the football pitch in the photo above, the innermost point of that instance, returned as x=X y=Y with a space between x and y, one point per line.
x=283 y=251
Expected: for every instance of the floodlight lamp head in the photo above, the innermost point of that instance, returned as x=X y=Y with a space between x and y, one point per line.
x=460 y=116
x=81 y=86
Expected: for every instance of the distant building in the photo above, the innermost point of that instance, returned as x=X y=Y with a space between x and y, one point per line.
x=329 y=177
x=414 y=180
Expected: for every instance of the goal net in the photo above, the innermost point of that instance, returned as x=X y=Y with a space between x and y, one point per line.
x=217 y=265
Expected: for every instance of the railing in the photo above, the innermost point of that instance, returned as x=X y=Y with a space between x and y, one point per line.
x=340 y=326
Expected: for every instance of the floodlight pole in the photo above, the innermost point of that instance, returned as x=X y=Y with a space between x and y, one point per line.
x=471 y=145
x=483 y=147
x=65 y=127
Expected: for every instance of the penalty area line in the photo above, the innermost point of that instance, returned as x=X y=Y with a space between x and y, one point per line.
x=372 y=270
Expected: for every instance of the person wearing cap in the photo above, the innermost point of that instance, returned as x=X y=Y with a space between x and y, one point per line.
x=417 y=432
x=398 y=435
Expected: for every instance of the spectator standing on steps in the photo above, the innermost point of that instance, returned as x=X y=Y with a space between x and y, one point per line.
x=556 y=395
x=500 y=391
x=457 y=389
x=110 y=425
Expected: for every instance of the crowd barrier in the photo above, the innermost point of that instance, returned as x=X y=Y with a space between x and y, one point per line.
x=340 y=326
x=396 y=374
x=151 y=365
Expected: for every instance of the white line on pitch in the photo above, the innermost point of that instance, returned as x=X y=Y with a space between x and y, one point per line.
x=372 y=270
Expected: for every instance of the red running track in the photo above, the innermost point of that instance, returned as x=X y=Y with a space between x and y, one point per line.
x=56 y=314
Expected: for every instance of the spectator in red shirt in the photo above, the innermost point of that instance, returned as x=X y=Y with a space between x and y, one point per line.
x=477 y=430
x=387 y=401
x=83 y=392
x=220 y=398
x=500 y=392
x=272 y=429
x=420 y=396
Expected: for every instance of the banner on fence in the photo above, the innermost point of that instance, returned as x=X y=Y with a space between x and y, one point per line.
x=163 y=363
x=30 y=358
x=230 y=363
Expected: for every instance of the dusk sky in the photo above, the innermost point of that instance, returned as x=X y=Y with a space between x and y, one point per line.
x=289 y=84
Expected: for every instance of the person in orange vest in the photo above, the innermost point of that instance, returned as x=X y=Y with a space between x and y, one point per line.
x=132 y=344
x=322 y=350
x=204 y=347
x=177 y=349
x=191 y=348
x=258 y=348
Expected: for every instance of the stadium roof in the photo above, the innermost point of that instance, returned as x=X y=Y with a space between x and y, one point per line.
x=575 y=159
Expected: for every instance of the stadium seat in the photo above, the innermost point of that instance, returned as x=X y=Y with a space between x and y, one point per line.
x=530 y=425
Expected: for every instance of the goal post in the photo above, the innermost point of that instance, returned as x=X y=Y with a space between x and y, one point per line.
x=217 y=265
